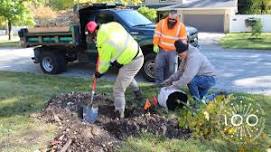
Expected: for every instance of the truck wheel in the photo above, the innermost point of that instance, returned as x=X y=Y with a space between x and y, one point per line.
x=52 y=63
x=148 y=67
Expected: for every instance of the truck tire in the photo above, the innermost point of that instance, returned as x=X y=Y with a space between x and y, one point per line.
x=148 y=67
x=52 y=63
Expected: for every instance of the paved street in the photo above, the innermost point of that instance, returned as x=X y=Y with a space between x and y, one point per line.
x=238 y=70
x=241 y=70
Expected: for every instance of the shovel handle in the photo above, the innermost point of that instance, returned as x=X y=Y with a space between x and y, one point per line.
x=94 y=84
x=93 y=89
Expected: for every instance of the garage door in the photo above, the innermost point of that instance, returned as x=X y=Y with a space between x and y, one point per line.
x=205 y=23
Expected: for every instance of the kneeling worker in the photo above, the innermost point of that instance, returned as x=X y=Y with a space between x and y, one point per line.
x=116 y=46
x=195 y=71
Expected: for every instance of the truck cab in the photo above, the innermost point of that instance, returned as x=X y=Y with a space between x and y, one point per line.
x=54 y=56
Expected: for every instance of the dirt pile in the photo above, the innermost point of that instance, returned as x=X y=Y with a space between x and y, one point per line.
x=108 y=131
x=50 y=18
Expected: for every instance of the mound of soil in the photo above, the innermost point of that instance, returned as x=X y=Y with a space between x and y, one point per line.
x=107 y=133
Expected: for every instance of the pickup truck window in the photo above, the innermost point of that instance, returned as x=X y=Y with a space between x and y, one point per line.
x=104 y=18
x=133 y=18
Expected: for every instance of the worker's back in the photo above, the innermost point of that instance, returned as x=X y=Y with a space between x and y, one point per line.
x=114 y=39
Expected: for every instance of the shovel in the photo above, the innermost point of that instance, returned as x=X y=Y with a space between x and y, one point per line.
x=90 y=112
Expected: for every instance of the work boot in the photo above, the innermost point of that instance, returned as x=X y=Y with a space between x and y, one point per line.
x=120 y=113
x=138 y=95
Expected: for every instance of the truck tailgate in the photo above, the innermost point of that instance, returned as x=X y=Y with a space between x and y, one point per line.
x=50 y=36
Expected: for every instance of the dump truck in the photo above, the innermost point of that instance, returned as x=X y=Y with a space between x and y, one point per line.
x=55 y=47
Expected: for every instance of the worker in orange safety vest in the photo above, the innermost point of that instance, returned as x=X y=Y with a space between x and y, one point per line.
x=167 y=31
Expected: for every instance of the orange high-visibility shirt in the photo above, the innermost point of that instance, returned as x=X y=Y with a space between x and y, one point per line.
x=165 y=37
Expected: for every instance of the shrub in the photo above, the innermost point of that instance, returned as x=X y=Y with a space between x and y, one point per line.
x=208 y=123
x=203 y=122
x=257 y=28
x=150 y=13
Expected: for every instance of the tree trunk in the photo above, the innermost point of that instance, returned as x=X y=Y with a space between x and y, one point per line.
x=9 y=30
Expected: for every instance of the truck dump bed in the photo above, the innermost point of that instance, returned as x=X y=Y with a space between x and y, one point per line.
x=50 y=36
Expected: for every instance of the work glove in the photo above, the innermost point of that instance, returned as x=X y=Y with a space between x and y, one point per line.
x=98 y=75
x=155 y=48
x=138 y=95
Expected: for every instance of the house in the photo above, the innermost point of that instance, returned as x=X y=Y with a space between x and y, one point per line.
x=205 y=15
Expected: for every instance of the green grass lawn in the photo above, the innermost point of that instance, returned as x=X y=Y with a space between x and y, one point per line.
x=24 y=94
x=244 y=41
x=4 y=42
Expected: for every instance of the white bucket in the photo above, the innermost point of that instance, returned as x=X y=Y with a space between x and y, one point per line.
x=168 y=98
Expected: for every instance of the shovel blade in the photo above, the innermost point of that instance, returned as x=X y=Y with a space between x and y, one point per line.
x=90 y=114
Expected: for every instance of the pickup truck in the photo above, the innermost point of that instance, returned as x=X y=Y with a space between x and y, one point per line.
x=55 y=47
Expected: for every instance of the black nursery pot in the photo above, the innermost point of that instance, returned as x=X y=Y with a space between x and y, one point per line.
x=173 y=100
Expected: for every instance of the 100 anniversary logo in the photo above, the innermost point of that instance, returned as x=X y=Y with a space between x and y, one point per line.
x=241 y=120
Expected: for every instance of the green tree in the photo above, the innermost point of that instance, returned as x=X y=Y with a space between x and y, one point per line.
x=125 y=2
x=265 y=6
x=150 y=13
x=2 y=23
x=65 y=4
x=244 y=6
x=61 y=4
x=15 y=13
x=254 y=6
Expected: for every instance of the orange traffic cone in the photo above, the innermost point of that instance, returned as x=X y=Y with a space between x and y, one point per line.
x=147 y=104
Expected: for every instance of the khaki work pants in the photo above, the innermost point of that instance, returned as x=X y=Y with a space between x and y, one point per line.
x=124 y=79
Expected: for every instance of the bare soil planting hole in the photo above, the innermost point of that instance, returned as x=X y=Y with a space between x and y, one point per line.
x=108 y=132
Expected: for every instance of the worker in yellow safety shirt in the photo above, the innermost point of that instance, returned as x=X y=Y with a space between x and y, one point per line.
x=117 y=47
x=167 y=31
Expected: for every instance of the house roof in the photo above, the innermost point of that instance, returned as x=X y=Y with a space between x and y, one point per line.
x=203 y=4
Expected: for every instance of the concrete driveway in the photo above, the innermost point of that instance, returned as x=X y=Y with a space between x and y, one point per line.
x=238 y=70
